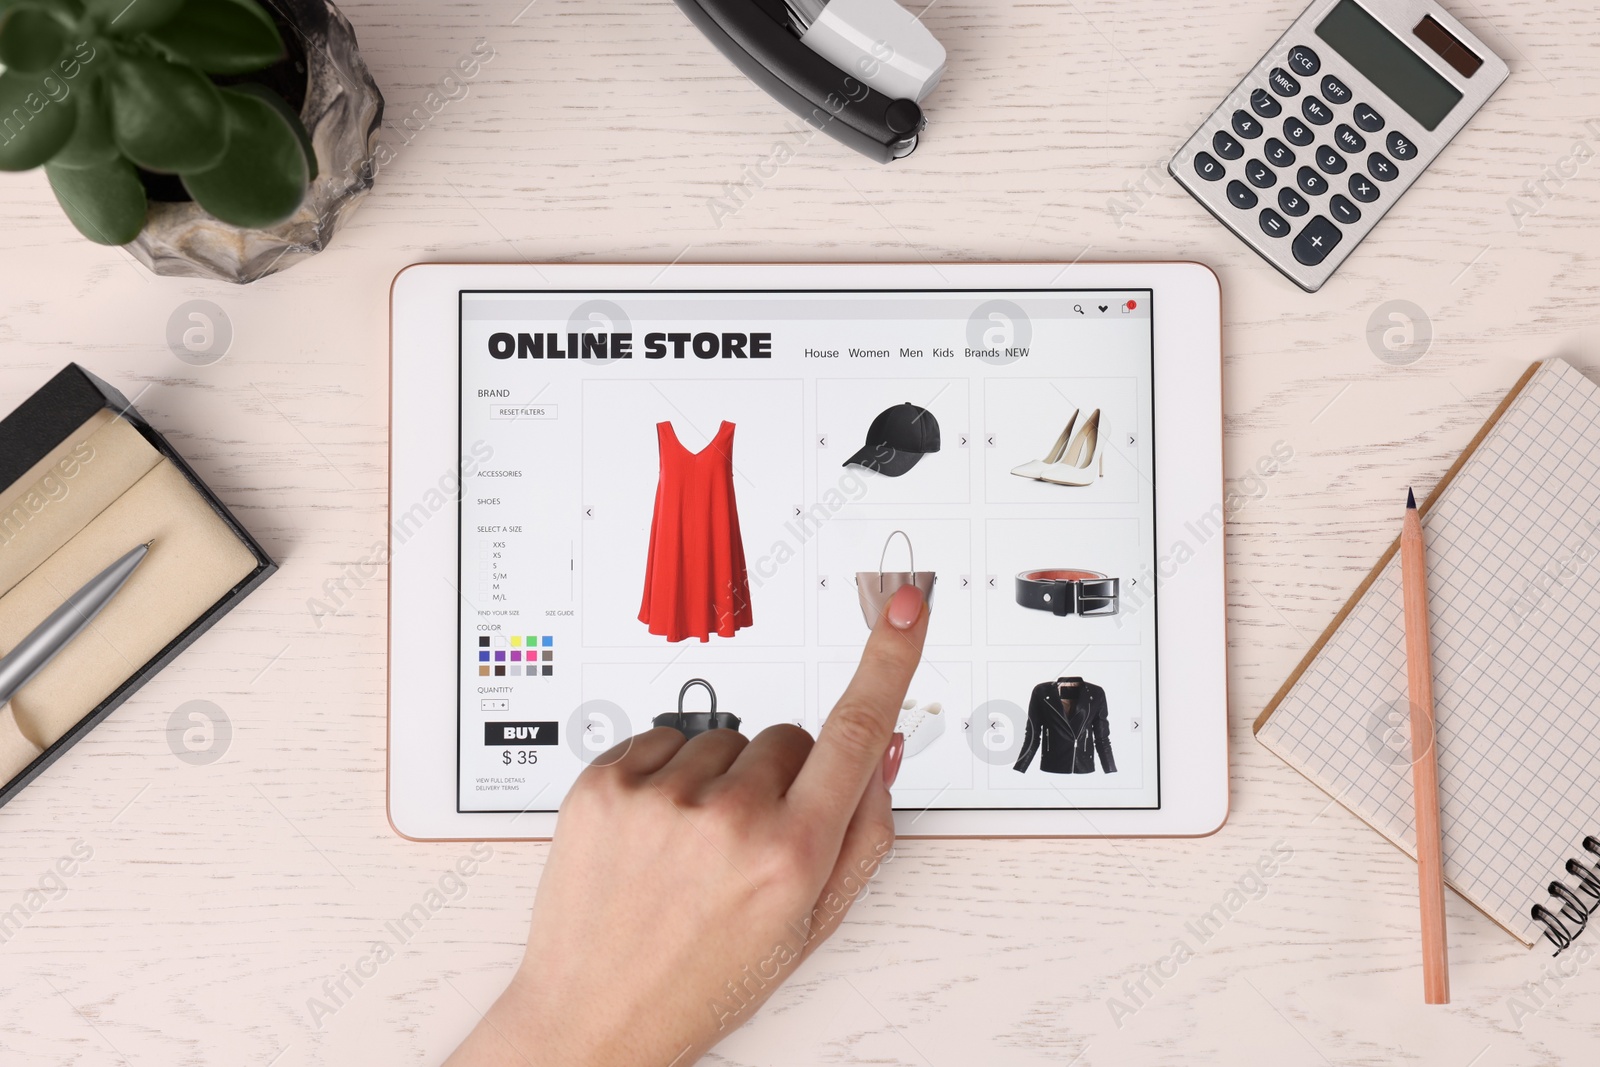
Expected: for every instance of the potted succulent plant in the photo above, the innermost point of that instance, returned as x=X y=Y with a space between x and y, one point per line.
x=180 y=127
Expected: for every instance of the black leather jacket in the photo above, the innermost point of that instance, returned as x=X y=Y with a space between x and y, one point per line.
x=1070 y=732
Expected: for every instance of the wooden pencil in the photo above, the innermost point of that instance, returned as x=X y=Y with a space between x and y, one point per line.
x=1424 y=766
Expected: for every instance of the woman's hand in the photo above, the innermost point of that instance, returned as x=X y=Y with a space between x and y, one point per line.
x=688 y=879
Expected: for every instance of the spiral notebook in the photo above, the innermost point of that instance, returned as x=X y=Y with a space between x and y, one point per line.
x=1513 y=540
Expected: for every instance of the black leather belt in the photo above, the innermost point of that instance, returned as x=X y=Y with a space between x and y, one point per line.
x=1063 y=591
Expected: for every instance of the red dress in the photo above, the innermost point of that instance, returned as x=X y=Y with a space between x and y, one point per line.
x=694 y=580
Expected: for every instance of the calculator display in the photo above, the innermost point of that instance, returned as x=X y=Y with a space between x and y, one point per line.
x=1388 y=63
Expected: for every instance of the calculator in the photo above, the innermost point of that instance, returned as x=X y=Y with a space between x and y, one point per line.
x=1338 y=119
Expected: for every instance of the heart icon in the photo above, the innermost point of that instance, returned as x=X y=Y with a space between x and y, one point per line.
x=1102 y=307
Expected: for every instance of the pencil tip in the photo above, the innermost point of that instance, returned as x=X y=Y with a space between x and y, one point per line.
x=1411 y=499
x=150 y=542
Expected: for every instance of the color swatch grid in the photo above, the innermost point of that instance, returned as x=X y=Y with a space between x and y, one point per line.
x=516 y=656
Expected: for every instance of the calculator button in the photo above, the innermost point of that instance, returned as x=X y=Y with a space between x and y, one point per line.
x=1303 y=61
x=1368 y=119
x=1206 y=165
x=1283 y=82
x=1379 y=167
x=1329 y=161
x=1343 y=210
x=1311 y=183
x=1240 y=196
x=1260 y=174
x=1335 y=90
x=1297 y=132
x=1363 y=189
x=1245 y=126
x=1226 y=146
x=1292 y=202
x=1348 y=139
x=1315 y=241
x=1401 y=147
x=1278 y=153
x=1272 y=223
x=1265 y=104
x=1316 y=111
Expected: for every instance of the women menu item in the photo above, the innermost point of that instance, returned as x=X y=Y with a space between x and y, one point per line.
x=694 y=580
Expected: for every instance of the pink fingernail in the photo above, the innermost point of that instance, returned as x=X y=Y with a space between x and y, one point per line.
x=891 y=758
x=905 y=607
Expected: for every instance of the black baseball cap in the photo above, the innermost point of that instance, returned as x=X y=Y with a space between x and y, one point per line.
x=898 y=437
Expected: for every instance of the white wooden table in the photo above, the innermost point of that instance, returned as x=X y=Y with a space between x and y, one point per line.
x=221 y=900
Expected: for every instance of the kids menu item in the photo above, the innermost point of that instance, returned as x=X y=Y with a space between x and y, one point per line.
x=695 y=485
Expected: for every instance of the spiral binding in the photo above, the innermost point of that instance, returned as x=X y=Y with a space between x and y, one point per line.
x=1573 y=909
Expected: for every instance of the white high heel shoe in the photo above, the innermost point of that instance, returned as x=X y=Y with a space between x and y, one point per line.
x=1035 y=468
x=1084 y=459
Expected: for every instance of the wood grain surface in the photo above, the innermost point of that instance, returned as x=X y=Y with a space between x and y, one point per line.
x=221 y=902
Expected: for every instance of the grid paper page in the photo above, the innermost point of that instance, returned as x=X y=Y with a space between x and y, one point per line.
x=1514 y=608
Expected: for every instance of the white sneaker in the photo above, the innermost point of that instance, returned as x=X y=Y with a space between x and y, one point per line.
x=922 y=725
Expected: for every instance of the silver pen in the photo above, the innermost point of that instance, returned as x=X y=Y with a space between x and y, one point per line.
x=65 y=623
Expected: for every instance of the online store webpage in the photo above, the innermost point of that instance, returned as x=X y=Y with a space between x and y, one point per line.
x=675 y=499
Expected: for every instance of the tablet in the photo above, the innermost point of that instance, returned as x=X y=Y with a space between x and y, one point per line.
x=631 y=495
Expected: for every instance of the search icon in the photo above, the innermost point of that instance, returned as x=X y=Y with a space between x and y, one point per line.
x=1078 y=308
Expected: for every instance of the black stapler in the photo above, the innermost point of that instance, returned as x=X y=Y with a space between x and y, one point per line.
x=855 y=69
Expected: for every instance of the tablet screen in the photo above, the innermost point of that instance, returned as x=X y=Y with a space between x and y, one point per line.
x=686 y=507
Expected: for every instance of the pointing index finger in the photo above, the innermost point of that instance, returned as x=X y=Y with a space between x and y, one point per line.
x=852 y=740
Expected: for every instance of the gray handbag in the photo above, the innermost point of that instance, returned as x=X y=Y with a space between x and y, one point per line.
x=874 y=588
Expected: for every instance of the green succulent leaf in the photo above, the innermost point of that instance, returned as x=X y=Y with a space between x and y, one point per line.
x=31 y=38
x=33 y=124
x=106 y=203
x=91 y=143
x=289 y=116
x=124 y=18
x=166 y=117
x=221 y=36
x=261 y=179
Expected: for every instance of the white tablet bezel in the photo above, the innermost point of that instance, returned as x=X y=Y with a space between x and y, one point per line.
x=424 y=464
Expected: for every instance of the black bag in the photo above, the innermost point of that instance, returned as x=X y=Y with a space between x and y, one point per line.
x=694 y=723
